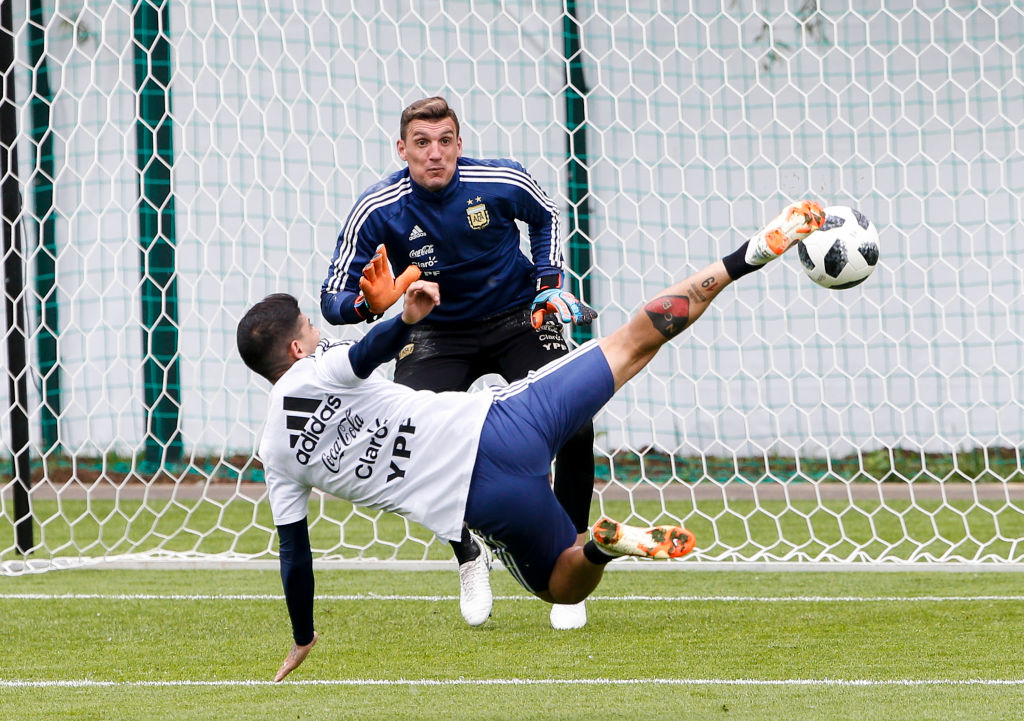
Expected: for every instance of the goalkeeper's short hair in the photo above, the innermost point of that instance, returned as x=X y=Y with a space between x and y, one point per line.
x=435 y=108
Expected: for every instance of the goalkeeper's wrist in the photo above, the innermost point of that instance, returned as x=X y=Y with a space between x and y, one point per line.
x=363 y=309
x=547 y=282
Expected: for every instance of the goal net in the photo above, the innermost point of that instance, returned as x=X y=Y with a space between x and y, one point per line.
x=177 y=161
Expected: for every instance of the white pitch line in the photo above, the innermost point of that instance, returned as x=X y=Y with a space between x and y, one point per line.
x=438 y=598
x=825 y=682
x=809 y=599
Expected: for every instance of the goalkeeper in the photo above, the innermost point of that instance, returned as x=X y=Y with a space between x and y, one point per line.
x=447 y=459
x=453 y=221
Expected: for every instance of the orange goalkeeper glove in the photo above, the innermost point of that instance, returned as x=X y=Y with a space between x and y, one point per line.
x=379 y=288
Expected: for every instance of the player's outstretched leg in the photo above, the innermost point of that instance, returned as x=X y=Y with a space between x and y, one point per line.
x=630 y=348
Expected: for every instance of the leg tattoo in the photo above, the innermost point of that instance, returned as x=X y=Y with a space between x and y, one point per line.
x=708 y=285
x=670 y=314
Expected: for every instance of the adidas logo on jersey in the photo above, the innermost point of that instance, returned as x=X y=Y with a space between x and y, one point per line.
x=307 y=418
x=297 y=411
x=417 y=233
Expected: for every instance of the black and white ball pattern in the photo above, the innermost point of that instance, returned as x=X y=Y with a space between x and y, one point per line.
x=843 y=252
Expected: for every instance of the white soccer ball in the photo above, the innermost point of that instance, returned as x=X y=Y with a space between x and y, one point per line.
x=843 y=252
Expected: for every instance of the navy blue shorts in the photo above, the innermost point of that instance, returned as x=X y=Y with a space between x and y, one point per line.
x=511 y=504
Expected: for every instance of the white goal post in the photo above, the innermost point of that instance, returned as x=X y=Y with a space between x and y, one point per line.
x=177 y=161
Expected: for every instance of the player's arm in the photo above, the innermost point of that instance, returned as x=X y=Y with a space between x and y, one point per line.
x=342 y=300
x=297 y=578
x=535 y=208
x=385 y=340
x=541 y=216
x=379 y=288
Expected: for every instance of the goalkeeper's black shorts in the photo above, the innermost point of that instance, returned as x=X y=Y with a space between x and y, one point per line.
x=452 y=356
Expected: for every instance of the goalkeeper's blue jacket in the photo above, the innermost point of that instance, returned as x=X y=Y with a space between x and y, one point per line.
x=465 y=238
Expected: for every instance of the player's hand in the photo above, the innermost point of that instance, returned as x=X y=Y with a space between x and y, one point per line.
x=420 y=298
x=562 y=303
x=296 y=656
x=379 y=287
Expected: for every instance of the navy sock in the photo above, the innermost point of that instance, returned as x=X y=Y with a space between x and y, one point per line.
x=593 y=553
x=736 y=264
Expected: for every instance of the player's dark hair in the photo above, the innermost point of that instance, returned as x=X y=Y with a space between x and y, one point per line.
x=265 y=332
x=427 y=109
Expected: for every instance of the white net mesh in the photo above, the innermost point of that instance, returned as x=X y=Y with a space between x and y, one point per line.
x=880 y=423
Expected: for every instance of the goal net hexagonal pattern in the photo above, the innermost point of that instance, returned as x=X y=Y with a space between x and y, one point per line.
x=178 y=161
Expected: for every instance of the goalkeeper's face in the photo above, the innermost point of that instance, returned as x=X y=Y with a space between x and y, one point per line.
x=432 y=149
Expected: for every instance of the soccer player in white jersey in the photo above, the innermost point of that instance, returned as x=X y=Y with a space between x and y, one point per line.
x=444 y=459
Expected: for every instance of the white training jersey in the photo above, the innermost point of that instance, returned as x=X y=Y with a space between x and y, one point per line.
x=373 y=442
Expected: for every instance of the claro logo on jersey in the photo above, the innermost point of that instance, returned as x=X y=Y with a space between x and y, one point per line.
x=308 y=417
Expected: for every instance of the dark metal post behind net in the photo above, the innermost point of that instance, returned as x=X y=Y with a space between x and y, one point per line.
x=155 y=158
x=43 y=173
x=14 y=286
x=576 y=153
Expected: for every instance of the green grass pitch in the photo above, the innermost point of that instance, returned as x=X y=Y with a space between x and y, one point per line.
x=202 y=644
